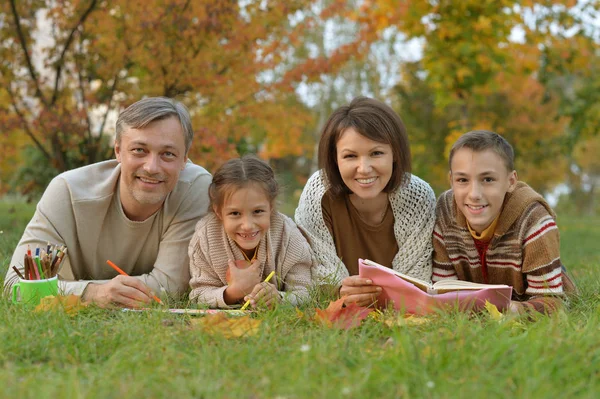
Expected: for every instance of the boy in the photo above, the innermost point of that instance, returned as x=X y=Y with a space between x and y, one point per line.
x=491 y=228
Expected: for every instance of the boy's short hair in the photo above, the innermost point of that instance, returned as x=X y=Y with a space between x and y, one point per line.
x=481 y=140
x=374 y=120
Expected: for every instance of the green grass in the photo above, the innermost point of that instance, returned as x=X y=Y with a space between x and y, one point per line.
x=112 y=354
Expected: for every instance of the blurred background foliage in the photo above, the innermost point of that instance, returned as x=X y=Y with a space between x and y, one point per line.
x=263 y=76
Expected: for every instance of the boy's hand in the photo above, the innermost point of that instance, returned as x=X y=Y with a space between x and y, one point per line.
x=359 y=290
x=241 y=280
x=516 y=308
x=263 y=294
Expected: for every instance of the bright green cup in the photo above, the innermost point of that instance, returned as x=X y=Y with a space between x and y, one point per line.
x=30 y=292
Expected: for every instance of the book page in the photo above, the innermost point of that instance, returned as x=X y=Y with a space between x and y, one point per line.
x=421 y=284
x=463 y=285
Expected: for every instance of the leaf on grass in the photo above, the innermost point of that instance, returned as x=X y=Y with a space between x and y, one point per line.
x=70 y=304
x=299 y=314
x=493 y=311
x=220 y=324
x=337 y=316
x=406 y=320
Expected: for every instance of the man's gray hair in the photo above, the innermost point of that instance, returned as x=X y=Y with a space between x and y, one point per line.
x=140 y=114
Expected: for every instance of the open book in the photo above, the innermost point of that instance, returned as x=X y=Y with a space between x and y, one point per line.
x=421 y=297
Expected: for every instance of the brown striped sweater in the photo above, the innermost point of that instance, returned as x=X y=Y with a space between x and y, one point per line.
x=523 y=252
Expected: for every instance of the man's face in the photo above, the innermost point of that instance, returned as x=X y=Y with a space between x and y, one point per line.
x=480 y=181
x=151 y=160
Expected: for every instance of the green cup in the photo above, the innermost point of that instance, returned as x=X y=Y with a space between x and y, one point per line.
x=30 y=292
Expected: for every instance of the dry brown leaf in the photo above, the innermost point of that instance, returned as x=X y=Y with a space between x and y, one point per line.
x=337 y=316
x=70 y=304
x=220 y=324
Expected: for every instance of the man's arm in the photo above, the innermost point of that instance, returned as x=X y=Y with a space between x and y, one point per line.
x=51 y=222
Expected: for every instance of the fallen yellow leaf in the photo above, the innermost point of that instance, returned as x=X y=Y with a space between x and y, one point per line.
x=220 y=324
x=408 y=320
x=70 y=304
x=493 y=311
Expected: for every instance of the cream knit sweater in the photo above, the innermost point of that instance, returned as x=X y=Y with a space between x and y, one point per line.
x=413 y=206
x=283 y=249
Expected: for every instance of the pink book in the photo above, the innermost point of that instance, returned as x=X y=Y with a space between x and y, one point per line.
x=421 y=297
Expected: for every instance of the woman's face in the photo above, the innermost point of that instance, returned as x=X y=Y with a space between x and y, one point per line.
x=365 y=165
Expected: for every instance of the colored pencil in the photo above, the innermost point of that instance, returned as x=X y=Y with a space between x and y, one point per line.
x=266 y=281
x=19 y=273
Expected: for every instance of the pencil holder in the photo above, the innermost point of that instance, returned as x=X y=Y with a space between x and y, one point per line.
x=30 y=292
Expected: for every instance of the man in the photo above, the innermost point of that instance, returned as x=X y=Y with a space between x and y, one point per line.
x=138 y=211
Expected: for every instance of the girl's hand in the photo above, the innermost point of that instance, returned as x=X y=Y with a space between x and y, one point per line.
x=241 y=281
x=359 y=290
x=263 y=294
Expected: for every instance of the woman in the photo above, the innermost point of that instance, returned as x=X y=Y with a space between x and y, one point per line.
x=364 y=202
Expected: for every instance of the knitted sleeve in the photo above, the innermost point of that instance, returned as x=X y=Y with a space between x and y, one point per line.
x=295 y=262
x=414 y=218
x=442 y=266
x=541 y=261
x=207 y=287
x=309 y=216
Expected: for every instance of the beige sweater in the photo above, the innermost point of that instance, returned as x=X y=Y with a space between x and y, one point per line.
x=283 y=249
x=82 y=210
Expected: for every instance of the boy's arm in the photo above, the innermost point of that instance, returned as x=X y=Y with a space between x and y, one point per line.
x=442 y=266
x=541 y=266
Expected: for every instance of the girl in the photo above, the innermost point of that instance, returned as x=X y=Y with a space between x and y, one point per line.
x=236 y=246
x=364 y=202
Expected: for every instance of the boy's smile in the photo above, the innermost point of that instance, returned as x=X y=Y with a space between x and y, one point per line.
x=480 y=181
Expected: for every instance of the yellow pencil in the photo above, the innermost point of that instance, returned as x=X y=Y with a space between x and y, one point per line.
x=266 y=281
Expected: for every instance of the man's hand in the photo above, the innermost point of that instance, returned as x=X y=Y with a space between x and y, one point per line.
x=241 y=281
x=263 y=294
x=125 y=291
x=359 y=290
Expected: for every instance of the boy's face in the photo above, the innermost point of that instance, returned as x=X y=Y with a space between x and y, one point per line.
x=480 y=181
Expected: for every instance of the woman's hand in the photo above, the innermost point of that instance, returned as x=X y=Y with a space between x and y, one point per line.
x=359 y=290
x=241 y=281
x=263 y=294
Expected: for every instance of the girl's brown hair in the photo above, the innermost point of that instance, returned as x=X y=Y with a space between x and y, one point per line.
x=374 y=120
x=239 y=173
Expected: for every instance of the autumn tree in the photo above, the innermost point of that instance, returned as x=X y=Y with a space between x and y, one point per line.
x=67 y=67
x=476 y=72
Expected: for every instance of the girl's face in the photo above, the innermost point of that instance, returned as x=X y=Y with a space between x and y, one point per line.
x=365 y=165
x=246 y=216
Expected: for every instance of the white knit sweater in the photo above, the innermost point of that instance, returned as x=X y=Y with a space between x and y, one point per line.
x=413 y=206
